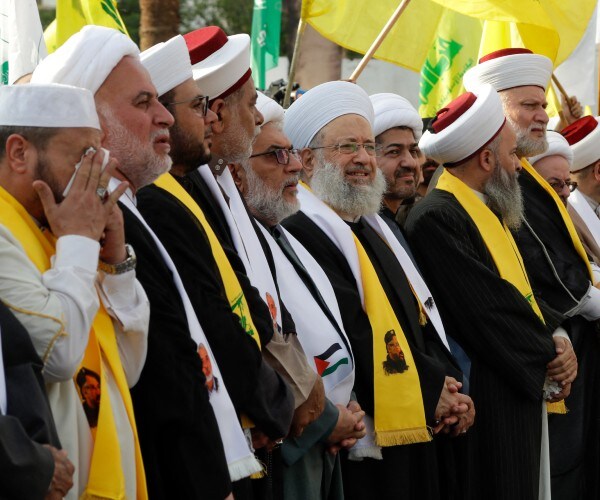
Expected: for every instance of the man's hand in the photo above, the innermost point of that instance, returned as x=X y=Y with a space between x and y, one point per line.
x=113 y=250
x=450 y=405
x=310 y=410
x=62 y=480
x=564 y=393
x=571 y=108
x=82 y=212
x=261 y=440
x=464 y=420
x=563 y=368
x=349 y=428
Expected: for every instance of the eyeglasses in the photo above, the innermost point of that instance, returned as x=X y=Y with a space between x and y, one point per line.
x=282 y=155
x=350 y=148
x=198 y=103
x=559 y=185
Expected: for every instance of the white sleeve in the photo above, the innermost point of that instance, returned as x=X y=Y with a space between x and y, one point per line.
x=589 y=305
x=127 y=303
x=56 y=307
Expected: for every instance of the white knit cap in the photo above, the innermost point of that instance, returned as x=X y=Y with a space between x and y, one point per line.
x=557 y=146
x=508 y=68
x=220 y=64
x=583 y=136
x=47 y=105
x=392 y=110
x=168 y=64
x=86 y=59
x=320 y=106
x=464 y=126
x=271 y=110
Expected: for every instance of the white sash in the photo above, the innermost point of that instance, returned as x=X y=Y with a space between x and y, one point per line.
x=587 y=214
x=240 y=460
x=341 y=235
x=259 y=272
x=2 y=382
x=315 y=332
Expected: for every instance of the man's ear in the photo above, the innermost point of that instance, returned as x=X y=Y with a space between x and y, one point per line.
x=486 y=160
x=596 y=171
x=307 y=156
x=239 y=177
x=19 y=153
x=219 y=107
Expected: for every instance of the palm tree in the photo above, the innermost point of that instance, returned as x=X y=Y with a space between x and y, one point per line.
x=159 y=21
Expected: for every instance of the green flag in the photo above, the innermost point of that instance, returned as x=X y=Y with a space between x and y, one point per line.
x=266 y=28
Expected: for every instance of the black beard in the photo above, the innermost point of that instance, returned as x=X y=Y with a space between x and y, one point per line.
x=187 y=150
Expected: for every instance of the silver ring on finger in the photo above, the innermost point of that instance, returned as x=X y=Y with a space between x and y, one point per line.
x=102 y=193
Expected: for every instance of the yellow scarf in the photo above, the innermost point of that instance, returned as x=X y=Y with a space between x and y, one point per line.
x=563 y=213
x=499 y=242
x=233 y=289
x=106 y=478
x=399 y=412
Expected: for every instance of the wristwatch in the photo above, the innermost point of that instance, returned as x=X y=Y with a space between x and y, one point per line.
x=122 y=267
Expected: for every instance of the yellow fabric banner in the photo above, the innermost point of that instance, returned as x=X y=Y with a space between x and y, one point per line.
x=72 y=15
x=106 y=478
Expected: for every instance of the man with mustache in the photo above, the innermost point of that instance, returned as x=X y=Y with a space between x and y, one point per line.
x=181 y=441
x=268 y=181
x=485 y=297
x=556 y=264
x=378 y=289
x=221 y=67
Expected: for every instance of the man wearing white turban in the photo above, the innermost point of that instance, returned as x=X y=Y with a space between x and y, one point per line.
x=379 y=292
x=553 y=255
x=485 y=294
x=182 y=451
x=268 y=181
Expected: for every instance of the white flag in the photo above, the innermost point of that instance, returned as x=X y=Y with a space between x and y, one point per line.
x=22 y=39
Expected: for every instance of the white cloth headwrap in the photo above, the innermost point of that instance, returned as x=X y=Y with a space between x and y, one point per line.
x=587 y=150
x=51 y=105
x=320 y=106
x=557 y=146
x=506 y=72
x=86 y=59
x=168 y=64
x=472 y=130
x=271 y=111
x=392 y=110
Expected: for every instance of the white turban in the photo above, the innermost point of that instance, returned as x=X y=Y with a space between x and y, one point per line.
x=168 y=64
x=392 y=110
x=86 y=59
x=583 y=136
x=468 y=125
x=557 y=146
x=271 y=111
x=320 y=106
x=47 y=105
x=508 y=68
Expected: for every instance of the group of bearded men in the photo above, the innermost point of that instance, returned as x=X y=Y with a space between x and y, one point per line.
x=204 y=296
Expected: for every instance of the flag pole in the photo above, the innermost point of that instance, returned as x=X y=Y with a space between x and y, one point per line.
x=378 y=41
x=294 y=63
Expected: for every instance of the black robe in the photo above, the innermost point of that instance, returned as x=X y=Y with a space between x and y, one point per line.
x=508 y=345
x=254 y=387
x=412 y=468
x=26 y=467
x=179 y=436
x=560 y=278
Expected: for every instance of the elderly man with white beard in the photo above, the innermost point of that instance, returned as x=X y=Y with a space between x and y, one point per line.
x=556 y=263
x=460 y=238
x=180 y=438
x=384 y=302
x=268 y=182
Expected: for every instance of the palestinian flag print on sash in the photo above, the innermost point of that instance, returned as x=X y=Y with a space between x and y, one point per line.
x=325 y=367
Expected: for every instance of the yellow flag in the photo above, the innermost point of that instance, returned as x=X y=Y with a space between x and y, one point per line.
x=72 y=15
x=454 y=50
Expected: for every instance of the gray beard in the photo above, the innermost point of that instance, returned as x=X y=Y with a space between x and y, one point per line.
x=526 y=146
x=233 y=144
x=505 y=197
x=267 y=204
x=329 y=185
